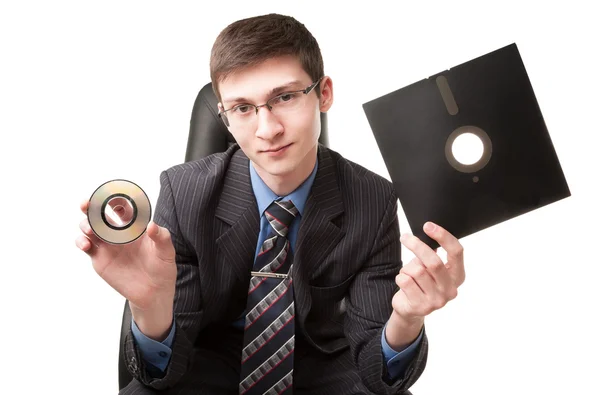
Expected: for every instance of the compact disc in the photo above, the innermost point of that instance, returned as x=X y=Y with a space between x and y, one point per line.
x=119 y=211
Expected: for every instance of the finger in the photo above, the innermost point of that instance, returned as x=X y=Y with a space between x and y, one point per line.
x=85 y=227
x=436 y=295
x=446 y=279
x=422 y=251
x=85 y=245
x=158 y=234
x=410 y=288
x=441 y=277
x=421 y=276
x=447 y=241
x=162 y=241
x=454 y=251
x=445 y=288
x=84 y=206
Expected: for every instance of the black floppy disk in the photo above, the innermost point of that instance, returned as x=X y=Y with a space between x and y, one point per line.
x=490 y=97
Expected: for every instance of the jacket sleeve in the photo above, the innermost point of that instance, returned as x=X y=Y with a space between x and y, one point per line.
x=370 y=307
x=187 y=303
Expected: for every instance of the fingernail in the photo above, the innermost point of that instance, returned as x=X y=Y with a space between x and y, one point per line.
x=429 y=227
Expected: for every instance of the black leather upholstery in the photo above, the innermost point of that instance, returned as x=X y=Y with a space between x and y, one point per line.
x=207 y=135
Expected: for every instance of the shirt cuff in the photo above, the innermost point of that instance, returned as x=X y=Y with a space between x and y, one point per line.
x=153 y=352
x=397 y=362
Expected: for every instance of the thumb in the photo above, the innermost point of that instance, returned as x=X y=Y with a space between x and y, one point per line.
x=157 y=233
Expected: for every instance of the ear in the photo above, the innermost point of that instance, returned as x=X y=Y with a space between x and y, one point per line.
x=326 y=100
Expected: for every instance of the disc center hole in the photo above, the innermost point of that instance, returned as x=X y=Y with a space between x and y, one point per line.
x=119 y=212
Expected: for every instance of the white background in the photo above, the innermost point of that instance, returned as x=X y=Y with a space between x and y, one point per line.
x=91 y=91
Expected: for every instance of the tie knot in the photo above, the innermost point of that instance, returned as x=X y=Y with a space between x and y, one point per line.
x=280 y=215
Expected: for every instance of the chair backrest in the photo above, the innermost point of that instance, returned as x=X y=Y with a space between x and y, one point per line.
x=208 y=135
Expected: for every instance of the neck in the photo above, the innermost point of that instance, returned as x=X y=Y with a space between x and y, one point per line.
x=284 y=184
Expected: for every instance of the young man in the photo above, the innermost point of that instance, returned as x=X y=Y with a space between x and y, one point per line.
x=274 y=267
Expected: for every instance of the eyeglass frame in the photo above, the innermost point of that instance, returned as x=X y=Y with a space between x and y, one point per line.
x=306 y=91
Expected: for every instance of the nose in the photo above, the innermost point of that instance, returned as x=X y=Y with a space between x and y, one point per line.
x=268 y=126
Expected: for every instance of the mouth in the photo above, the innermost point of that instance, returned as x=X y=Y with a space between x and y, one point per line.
x=276 y=150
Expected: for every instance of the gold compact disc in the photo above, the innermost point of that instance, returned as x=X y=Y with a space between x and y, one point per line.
x=119 y=212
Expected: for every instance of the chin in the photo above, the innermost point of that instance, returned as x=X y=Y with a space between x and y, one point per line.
x=280 y=169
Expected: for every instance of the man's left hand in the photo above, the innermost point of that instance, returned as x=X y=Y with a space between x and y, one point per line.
x=426 y=284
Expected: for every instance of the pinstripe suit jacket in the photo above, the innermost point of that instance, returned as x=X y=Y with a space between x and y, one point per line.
x=347 y=255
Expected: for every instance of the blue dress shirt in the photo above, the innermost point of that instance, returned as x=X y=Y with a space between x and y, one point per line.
x=157 y=354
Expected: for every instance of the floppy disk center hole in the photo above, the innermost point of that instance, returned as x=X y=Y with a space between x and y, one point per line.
x=468 y=149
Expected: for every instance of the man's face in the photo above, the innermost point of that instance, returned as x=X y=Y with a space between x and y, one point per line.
x=277 y=142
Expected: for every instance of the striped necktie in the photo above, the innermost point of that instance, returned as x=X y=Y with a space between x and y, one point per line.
x=267 y=355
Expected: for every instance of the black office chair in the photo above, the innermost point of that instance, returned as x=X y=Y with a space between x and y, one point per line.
x=208 y=135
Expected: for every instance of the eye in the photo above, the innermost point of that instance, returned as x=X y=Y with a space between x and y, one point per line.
x=241 y=109
x=285 y=98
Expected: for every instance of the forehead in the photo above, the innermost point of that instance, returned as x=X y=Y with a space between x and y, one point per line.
x=256 y=83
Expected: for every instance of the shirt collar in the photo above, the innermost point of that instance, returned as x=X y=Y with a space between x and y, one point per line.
x=265 y=196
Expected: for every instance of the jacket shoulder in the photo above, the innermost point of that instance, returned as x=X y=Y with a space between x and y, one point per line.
x=352 y=176
x=212 y=166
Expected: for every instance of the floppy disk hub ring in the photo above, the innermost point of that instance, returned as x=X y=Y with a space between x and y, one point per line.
x=485 y=157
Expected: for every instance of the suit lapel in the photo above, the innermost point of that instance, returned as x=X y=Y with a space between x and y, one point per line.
x=238 y=208
x=317 y=235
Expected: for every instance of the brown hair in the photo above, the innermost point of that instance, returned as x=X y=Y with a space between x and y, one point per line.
x=249 y=42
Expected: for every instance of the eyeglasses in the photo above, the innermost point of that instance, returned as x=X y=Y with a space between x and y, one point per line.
x=242 y=116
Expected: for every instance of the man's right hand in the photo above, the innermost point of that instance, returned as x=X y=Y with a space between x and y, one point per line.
x=143 y=271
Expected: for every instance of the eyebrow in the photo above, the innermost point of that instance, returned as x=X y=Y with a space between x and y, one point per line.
x=275 y=91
